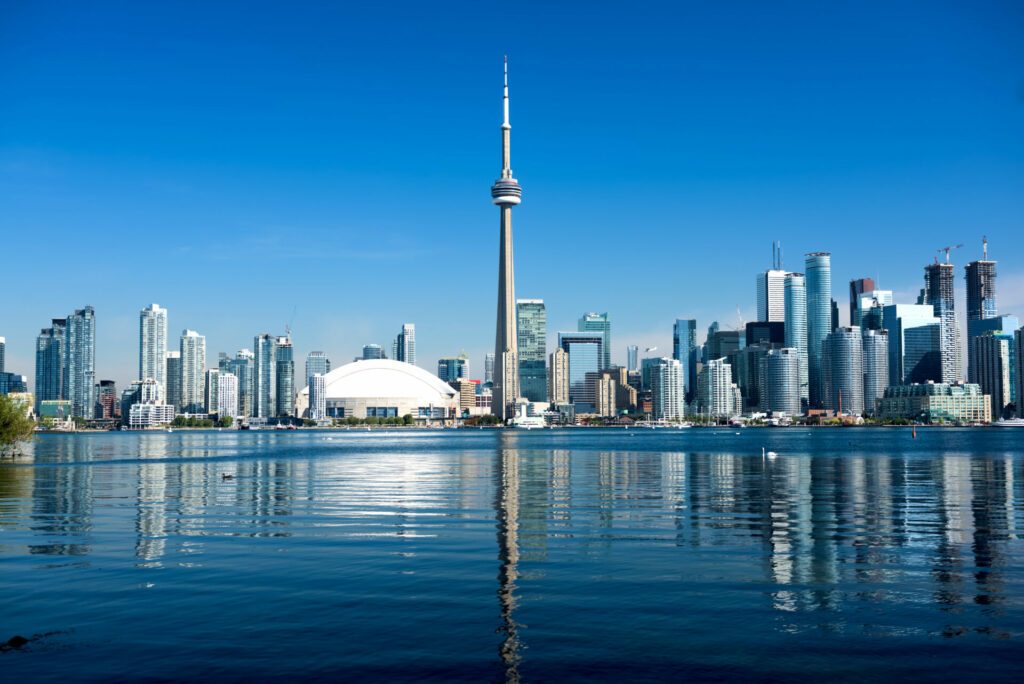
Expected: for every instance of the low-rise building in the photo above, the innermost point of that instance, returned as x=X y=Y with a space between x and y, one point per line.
x=936 y=402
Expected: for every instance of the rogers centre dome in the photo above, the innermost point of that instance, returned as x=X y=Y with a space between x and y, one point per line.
x=383 y=388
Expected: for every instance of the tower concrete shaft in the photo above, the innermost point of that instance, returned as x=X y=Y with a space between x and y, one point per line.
x=506 y=193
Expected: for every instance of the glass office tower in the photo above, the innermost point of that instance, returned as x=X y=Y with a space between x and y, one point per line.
x=531 y=331
x=80 y=361
x=818 y=271
x=594 y=322
x=796 y=324
x=685 y=351
x=586 y=351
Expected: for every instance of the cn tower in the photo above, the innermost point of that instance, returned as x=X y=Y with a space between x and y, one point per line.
x=506 y=194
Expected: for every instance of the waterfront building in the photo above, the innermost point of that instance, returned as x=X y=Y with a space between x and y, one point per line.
x=716 y=390
x=3 y=354
x=625 y=394
x=939 y=292
x=317 y=362
x=404 y=346
x=383 y=389
x=632 y=358
x=585 y=351
x=1000 y=325
x=506 y=193
x=859 y=288
x=59 y=409
x=227 y=396
x=686 y=351
x=193 y=372
x=80 y=361
x=284 y=377
x=771 y=302
x=781 y=382
x=594 y=322
x=242 y=368
x=748 y=374
x=898 y=319
x=1018 y=345
x=981 y=287
x=668 y=389
x=876 y=367
x=50 y=363
x=146 y=416
x=489 y=369
x=558 y=377
x=211 y=390
x=796 y=324
x=843 y=371
x=531 y=327
x=467 y=390
x=991 y=363
x=818 y=270
x=936 y=402
x=264 y=376
x=172 y=391
x=452 y=369
x=107 y=406
x=604 y=393
x=371 y=352
x=317 y=397
x=153 y=344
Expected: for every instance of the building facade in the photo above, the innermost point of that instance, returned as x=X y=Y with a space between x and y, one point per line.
x=50 y=363
x=668 y=390
x=452 y=369
x=771 y=296
x=284 y=377
x=531 y=327
x=818 y=271
x=991 y=364
x=192 y=350
x=153 y=344
x=716 y=390
x=228 y=396
x=686 y=351
x=404 y=346
x=796 y=324
x=781 y=383
x=80 y=361
x=599 y=323
x=317 y=362
x=936 y=403
x=876 y=367
x=264 y=376
x=558 y=377
x=585 y=352
x=172 y=390
x=939 y=291
x=843 y=371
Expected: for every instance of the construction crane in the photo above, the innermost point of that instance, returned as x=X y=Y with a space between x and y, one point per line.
x=947 y=250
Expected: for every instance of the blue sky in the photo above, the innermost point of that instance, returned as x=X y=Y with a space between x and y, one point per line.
x=239 y=162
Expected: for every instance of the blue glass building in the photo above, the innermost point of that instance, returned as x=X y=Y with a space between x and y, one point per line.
x=818 y=273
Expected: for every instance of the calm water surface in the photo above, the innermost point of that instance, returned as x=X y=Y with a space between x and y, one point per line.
x=619 y=555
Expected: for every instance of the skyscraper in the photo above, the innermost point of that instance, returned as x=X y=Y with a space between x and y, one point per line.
x=404 y=346
x=317 y=397
x=107 y=405
x=1018 y=344
x=843 y=371
x=595 y=322
x=876 y=367
x=453 y=368
x=264 y=376
x=981 y=288
x=716 y=389
x=227 y=396
x=865 y=303
x=532 y=329
x=818 y=270
x=489 y=368
x=50 y=362
x=991 y=363
x=633 y=358
x=506 y=193
x=3 y=353
x=859 y=288
x=80 y=361
x=242 y=368
x=939 y=292
x=781 y=384
x=284 y=377
x=372 y=351
x=193 y=372
x=898 y=320
x=317 y=362
x=771 y=304
x=686 y=351
x=668 y=389
x=796 y=324
x=211 y=393
x=172 y=391
x=978 y=327
x=585 y=350
x=558 y=380
x=153 y=344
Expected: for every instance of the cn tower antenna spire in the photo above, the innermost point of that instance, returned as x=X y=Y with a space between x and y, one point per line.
x=506 y=124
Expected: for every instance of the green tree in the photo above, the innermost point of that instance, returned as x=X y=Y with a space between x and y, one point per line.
x=407 y=419
x=15 y=425
x=225 y=421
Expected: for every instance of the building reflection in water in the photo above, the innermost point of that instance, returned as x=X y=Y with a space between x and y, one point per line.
x=506 y=506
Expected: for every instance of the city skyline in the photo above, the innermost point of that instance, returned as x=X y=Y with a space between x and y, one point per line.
x=958 y=188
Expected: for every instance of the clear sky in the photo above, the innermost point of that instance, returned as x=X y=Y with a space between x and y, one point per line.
x=240 y=162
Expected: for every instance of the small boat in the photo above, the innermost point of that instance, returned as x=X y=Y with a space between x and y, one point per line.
x=1012 y=422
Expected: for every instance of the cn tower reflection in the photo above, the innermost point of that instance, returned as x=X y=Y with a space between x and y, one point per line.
x=506 y=506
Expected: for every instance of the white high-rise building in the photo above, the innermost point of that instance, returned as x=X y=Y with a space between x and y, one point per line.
x=715 y=389
x=558 y=377
x=317 y=397
x=668 y=389
x=771 y=296
x=404 y=346
x=227 y=395
x=193 y=372
x=153 y=344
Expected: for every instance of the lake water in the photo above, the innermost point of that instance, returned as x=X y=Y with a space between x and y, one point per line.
x=558 y=555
